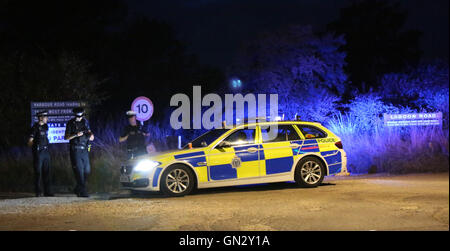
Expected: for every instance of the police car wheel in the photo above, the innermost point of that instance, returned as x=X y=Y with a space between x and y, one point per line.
x=310 y=172
x=177 y=180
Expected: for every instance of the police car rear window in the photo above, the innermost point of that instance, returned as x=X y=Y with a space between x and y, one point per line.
x=284 y=133
x=311 y=132
x=242 y=137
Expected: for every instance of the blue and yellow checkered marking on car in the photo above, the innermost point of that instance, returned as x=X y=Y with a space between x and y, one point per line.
x=197 y=160
x=278 y=158
x=279 y=165
x=188 y=155
x=223 y=172
x=334 y=160
x=310 y=145
x=305 y=146
x=241 y=152
x=262 y=156
x=274 y=158
x=156 y=176
x=192 y=158
x=281 y=155
x=249 y=161
x=221 y=169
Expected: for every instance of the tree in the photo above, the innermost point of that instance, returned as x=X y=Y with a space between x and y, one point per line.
x=53 y=26
x=376 y=42
x=424 y=88
x=303 y=68
x=26 y=79
x=89 y=50
x=146 y=58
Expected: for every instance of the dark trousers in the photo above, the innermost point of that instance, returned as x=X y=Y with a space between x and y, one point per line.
x=41 y=164
x=81 y=168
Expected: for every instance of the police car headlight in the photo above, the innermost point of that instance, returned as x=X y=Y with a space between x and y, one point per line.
x=146 y=165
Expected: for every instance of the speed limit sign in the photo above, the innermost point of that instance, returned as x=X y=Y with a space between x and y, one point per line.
x=143 y=107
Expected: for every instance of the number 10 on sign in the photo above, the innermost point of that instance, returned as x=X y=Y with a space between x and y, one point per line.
x=143 y=107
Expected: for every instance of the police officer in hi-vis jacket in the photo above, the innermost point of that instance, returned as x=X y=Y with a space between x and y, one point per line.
x=79 y=134
x=38 y=141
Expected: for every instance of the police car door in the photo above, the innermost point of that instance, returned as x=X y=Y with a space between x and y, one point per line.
x=278 y=149
x=238 y=158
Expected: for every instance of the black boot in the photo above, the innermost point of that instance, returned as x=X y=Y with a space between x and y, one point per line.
x=49 y=194
x=76 y=191
x=48 y=191
x=83 y=193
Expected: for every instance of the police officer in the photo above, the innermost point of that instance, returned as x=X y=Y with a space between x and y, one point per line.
x=79 y=134
x=135 y=136
x=38 y=142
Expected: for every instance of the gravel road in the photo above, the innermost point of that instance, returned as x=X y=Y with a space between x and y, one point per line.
x=368 y=202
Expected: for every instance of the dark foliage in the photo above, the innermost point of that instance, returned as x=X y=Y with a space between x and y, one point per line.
x=91 y=51
x=376 y=41
x=305 y=70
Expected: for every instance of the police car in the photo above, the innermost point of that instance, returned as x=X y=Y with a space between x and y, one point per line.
x=252 y=153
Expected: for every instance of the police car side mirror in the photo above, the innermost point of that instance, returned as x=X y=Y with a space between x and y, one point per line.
x=224 y=144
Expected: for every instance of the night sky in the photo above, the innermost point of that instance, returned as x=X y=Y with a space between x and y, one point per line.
x=215 y=29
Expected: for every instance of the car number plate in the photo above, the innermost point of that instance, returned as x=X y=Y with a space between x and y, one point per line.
x=124 y=178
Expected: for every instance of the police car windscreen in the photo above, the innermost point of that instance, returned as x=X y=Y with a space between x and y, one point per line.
x=208 y=137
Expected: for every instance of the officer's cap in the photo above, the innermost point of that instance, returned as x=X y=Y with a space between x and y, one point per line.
x=131 y=113
x=42 y=114
x=79 y=112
